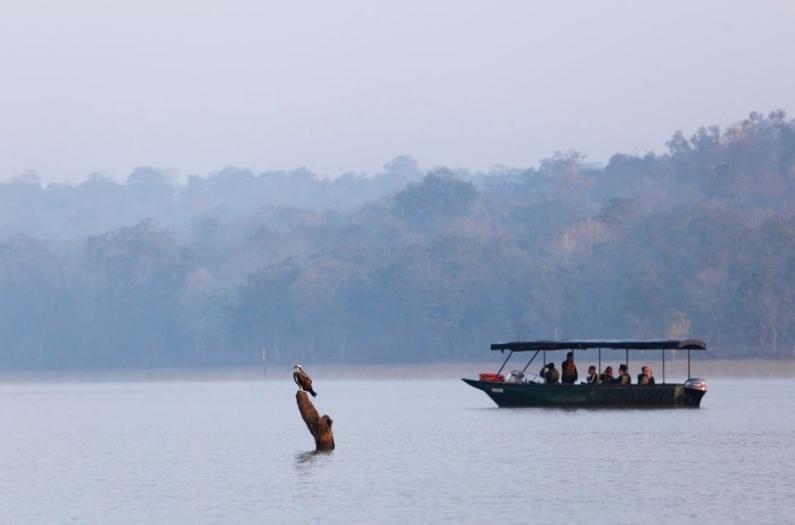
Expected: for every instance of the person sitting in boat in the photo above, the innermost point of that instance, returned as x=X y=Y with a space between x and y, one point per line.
x=593 y=377
x=646 y=376
x=549 y=373
x=569 y=369
x=623 y=375
x=607 y=376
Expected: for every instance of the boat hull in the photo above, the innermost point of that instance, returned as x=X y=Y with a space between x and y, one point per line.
x=595 y=396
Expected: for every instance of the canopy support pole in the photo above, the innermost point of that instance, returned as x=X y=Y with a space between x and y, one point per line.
x=663 y=360
x=600 y=361
x=528 y=363
x=505 y=362
x=688 y=363
x=626 y=358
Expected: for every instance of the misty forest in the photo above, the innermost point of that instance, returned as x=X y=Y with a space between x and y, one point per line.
x=406 y=265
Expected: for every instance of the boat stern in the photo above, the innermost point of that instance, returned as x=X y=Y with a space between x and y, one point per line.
x=695 y=388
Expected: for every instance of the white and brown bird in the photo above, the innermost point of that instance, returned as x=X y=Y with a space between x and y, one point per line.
x=303 y=380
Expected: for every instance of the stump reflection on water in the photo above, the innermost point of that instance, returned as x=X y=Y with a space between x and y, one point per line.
x=319 y=426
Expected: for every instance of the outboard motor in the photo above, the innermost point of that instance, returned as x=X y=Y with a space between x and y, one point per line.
x=695 y=388
x=696 y=383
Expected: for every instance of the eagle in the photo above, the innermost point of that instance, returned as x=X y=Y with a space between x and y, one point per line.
x=303 y=380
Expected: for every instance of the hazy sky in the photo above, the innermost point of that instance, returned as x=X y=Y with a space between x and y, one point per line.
x=193 y=85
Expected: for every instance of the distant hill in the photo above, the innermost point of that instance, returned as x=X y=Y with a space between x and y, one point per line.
x=406 y=265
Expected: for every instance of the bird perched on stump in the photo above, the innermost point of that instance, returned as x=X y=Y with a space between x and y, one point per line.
x=303 y=380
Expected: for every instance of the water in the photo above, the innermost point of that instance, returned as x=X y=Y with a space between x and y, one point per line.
x=407 y=452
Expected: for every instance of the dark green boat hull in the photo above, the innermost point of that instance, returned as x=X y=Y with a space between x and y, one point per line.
x=594 y=396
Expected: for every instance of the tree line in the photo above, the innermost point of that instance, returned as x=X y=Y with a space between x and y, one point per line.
x=407 y=265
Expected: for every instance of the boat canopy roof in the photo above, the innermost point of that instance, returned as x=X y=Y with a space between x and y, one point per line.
x=632 y=344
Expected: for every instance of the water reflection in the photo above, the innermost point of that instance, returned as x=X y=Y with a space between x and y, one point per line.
x=305 y=460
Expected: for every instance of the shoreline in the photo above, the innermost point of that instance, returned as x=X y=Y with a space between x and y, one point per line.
x=676 y=370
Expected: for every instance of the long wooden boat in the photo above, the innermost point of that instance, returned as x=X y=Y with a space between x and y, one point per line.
x=519 y=392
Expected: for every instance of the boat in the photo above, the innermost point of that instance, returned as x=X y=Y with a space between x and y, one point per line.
x=517 y=390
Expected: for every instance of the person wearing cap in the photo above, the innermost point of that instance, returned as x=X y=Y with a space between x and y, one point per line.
x=623 y=375
x=569 y=369
x=607 y=376
x=549 y=373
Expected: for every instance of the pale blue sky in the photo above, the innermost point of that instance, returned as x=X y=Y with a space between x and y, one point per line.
x=193 y=85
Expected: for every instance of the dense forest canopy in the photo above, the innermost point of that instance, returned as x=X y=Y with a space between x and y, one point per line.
x=406 y=265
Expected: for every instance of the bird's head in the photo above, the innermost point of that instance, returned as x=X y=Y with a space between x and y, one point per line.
x=298 y=367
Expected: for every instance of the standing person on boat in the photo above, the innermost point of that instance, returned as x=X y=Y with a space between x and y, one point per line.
x=623 y=375
x=569 y=369
x=549 y=373
x=593 y=377
x=646 y=376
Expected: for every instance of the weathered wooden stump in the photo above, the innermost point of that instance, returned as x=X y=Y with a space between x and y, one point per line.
x=319 y=426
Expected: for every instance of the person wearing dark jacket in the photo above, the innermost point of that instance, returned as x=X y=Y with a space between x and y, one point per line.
x=623 y=376
x=569 y=369
x=607 y=376
x=646 y=376
x=593 y=377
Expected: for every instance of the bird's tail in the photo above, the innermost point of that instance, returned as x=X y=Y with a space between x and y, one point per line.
x=314 y=394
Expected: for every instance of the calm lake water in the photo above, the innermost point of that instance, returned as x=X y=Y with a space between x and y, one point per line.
x=407 y=452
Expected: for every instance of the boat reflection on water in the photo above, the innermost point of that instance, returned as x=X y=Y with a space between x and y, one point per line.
x=518 y=391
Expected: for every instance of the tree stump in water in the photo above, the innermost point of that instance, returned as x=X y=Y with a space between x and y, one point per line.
x=319 y=427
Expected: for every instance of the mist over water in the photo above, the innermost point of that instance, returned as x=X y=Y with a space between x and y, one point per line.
x=409 y=265
x=407 y=451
